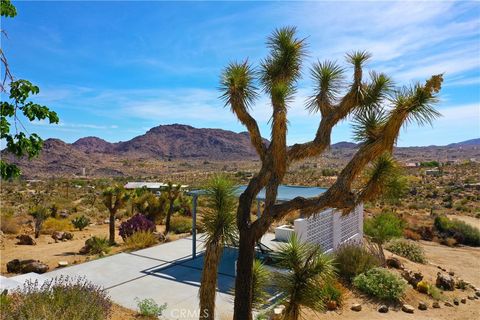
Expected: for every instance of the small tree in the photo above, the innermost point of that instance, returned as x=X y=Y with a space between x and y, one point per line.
x=310 y=270
x=150 y=206
x=39 y=214
x=171 y=192
x=113 y=198
x=218 y=221
x=381 y=229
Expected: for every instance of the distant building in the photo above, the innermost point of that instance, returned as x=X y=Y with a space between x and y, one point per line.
x=152 y=186
x=433 y=172
x=411 y=164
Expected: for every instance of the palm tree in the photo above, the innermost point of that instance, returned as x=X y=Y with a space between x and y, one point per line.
x=309 y=269
x=114 y=198
x=172 y=192
x=218 y=221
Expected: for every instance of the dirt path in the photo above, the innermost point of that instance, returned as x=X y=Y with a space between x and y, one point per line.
x=467 y=219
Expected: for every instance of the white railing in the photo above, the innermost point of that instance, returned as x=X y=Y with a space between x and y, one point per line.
x=330 y=229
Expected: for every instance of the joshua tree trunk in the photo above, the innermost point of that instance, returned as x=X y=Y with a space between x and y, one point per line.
x=209 y=281
x=169 y=215
x=38 y=227
x=244 y=277
x=112 y=227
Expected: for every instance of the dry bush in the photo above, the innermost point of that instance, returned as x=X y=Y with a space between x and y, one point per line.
x=411 y=235
x=52 y=224
x=8 y=224
x=140 y=240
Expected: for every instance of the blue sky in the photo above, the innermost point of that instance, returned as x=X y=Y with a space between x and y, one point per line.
x=116 y=69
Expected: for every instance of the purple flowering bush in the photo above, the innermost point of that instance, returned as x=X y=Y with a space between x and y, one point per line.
x=135 y=224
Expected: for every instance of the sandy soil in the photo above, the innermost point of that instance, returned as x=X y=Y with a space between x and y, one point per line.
x=49 y=252
x=464 y=261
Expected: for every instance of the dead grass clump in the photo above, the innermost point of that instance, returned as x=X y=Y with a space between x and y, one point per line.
x=52 y=224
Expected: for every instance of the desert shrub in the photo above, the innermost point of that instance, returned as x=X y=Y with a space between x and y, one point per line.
x=53 y=224
x=352 y=260
x=407 y=249
x=461 y=231
x=61 y=298
x=140 y=240
x=412 y=235
x=149 y=308
x=135 y=224
x=333 y=291
x=98 y=245
x=81 y=222
x=381 y=283
x=8 y=224
x=180 y=224
x=39 y=215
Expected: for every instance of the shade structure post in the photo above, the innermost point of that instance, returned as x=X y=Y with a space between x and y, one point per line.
x=194 y=226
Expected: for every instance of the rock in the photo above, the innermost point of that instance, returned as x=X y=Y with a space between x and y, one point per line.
x=278 y=312
x=412 y=278
x=26 y=266
x=463 y=300
x=427 y=233
x=106 y=221
x=64 y=215
x=445 y=282
x=477 y=293
x=84 y=250
x=62 y=236
x=62 y=264
x=394 y=262
x=456 y=302
x=451 y=273
x=356 y=307
x=408 y=308
x=332 y=305
x=422 y=306
x=57 y=235
x=26 y=240
x=448 y=304
x=471 y=297
x=435 y=305
x=383 y=309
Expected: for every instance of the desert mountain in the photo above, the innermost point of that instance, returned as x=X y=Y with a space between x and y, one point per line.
x=151 y=152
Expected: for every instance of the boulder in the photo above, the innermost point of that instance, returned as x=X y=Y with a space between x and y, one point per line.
x=332 y=305
x=62 y=236
x=435 y=305
x=62 y=264
x=477 y=293
x=448 y=304
x=463 y=300
x=394 y=262
x=456 y=302
x=356 y=307
x=25 y=239
x=412 y=278
x=422 y=306
x=408 y=308
x=445 y=282
x=471 y=298
x=26 y=266
x=64 y=215
x=383 y=309
x=427 y=233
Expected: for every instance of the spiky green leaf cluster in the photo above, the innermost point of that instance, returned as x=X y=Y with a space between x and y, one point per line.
x=237 y=85
x=328 y=78
x=309 y=270
x=367 y=125
x=219 y=218
x=7 y=9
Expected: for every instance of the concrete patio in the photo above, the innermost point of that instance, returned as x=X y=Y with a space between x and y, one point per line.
x=165 y=273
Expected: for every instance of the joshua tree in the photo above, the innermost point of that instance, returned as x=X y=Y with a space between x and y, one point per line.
x=150 y=206
x=310 y=270
x=172 y=192
x=378 y=110
x=113 y=198
x=218 y=221
x=39 y=215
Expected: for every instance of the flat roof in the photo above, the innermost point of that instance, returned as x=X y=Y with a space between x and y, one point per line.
x=149 y=185
x=285 y=192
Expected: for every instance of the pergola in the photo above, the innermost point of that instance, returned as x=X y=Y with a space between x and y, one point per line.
x=285 y=193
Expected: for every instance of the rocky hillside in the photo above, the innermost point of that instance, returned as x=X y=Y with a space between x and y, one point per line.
x=160 y=147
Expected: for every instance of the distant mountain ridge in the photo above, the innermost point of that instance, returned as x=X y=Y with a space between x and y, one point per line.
x=184 y=142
